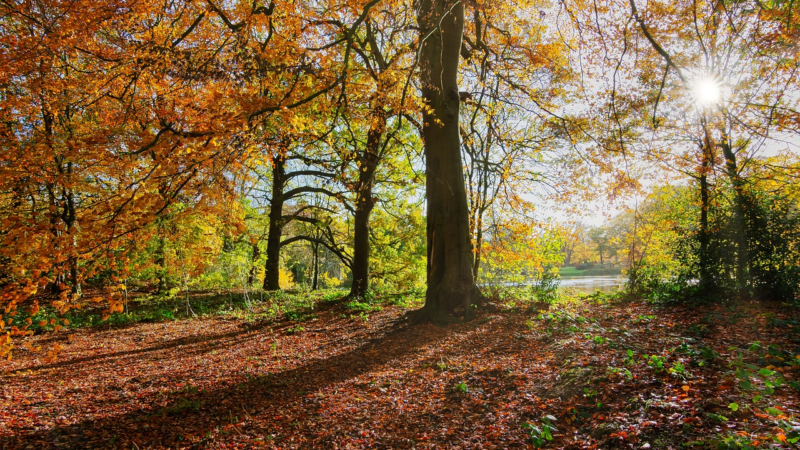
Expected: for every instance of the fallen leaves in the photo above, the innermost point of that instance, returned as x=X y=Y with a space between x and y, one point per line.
x=383 y=383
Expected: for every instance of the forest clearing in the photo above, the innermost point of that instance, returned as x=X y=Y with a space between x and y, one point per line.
x=603 y=372
x=399 y=224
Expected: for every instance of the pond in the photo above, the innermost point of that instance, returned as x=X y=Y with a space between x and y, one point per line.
x=588 y=285
x=585 y=284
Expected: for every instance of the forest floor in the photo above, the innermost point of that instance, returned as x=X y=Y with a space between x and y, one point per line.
x=587 y=373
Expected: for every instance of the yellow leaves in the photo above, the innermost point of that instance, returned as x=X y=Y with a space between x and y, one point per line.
x=285 y=279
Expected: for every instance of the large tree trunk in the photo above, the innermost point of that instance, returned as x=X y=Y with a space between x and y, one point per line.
x=364 y=203
x=451 y=286
x=272 y=266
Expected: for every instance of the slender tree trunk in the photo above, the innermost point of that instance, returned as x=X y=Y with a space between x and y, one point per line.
x=160 y=261
x=739 y=222
x=364 y=203
x=476 y=265
x=59 y=279
x=71 y=222
x=567 y=255
x=451 y=286
x=315 y=276
x=272 y=266
x=705 y=280
x=251 y=276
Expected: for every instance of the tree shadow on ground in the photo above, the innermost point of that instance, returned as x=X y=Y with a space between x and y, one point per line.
x=279 y=398
x=212 y=342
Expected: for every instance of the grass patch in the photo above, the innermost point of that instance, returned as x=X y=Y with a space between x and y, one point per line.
x=570 y=271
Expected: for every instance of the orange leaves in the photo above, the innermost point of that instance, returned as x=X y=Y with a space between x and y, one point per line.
x=53 y=352
x=116 y=306
x=6 y=346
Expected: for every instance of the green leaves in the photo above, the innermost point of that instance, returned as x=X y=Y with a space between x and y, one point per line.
x=540 y=434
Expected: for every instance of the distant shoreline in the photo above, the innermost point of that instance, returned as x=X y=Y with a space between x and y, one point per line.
x=570 y=272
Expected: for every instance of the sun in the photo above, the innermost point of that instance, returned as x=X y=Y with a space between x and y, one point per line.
x=707 y=91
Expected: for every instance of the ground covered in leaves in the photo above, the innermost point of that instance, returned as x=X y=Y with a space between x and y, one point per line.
x=586 y=373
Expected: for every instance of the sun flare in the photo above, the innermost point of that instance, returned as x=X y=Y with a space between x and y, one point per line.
x=707 y=91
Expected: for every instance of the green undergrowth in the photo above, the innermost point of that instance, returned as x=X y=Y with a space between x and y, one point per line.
x=736 y=392
x=159 y=308
x=293 y=306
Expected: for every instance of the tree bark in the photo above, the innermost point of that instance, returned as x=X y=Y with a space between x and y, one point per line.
x=476 y=265
x=272 y=266
x=739 y=222
x=70 y=219
x=251 y=276
x=315 y=275
x=451 y=286
x=706 y=283
x=365 y=202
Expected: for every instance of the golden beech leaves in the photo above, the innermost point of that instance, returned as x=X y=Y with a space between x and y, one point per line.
x=115 y=114
x=134 y=127
x=125 y=122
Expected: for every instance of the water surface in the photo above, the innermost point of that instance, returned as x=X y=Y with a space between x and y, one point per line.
x=590 y=284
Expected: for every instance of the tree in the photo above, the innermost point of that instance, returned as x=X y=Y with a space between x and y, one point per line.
x=372 y=127
x=705 y=84
x=451 y=285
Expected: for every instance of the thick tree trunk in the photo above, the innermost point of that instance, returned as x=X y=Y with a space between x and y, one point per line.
x=451 y=286
x=364 y=204
x=272 y=266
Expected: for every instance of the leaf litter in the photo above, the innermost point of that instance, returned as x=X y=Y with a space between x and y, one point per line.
x=585 y=374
